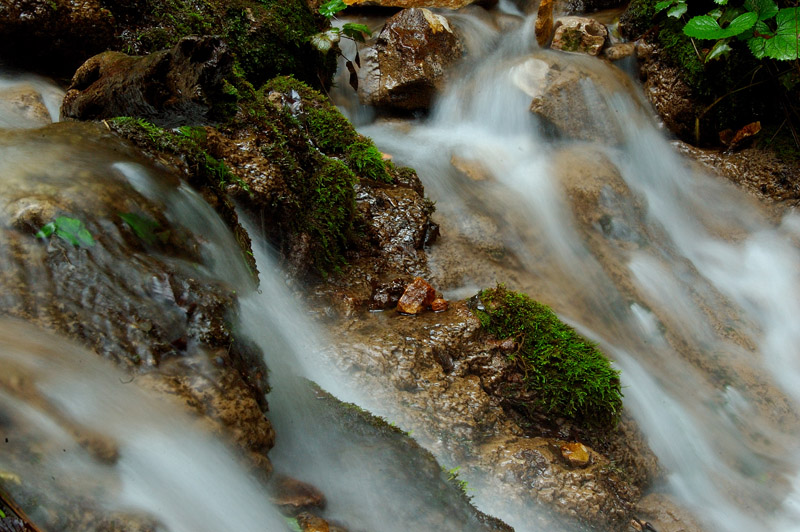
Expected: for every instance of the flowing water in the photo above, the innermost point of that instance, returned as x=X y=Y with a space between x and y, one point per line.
x=691 y=287
x=685 y=282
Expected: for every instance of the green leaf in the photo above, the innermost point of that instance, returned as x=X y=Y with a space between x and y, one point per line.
x=721 y=2
x=720 y=49
x=356 y=31
x=142 y=226
x=661 y=6
x=784 y=43
x=678 y=10
x=765 y=9
x=705 y=27
x=2 y=515
x=329 y=9
x=46 y=231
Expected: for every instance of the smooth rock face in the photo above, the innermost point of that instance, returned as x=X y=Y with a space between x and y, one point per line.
x=580 y=35
x=175 y=86
x=22 y=106
x=446 y=4
x=417 y=297
x=408 y=61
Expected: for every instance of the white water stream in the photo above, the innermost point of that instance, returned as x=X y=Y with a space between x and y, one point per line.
x=687 y=284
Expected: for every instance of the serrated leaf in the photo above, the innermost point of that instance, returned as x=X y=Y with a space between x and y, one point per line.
x=720 y=49
x=678 y=10
x=715 y=14
x=765 y=9
x=705 y=27
x=352 y=27
x=721 y=2
x=324 y=41
x=329 y=9
x=661 y=6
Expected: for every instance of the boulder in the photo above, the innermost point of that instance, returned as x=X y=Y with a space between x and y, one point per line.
x=543 y=28
x=54 y=35
x=579 y=35
x=409 y=60
x=173 y=87
x=618 y=51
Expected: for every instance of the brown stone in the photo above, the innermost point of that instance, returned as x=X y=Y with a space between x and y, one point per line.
x=439 y=305
x=544 y=22
x=579 y=35
x=22 y=106
x=417 y=297
x=408 y=63
x=292 y=496
x=405 y=4
x=576 y=454
x=170 y=87
x=312 y=523
x=618 y=51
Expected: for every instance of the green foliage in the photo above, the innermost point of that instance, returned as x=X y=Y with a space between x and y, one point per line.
x=70 y=230
x=365 y=160
x=452 y=478
x=2 y=514
x=324 y=41
x=565 y=374
x=145 y=228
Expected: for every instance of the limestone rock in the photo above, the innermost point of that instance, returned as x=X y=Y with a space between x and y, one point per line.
x=618 y=51
x=417 y=297
x=292 y=496
x=579 y=34
x=439 y=305
x=543 y=27
x=386 y=295
x=176 y=86
x=409 y=60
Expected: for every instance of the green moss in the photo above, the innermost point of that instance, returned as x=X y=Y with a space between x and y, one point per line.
x=565 y=374
x=329 y=131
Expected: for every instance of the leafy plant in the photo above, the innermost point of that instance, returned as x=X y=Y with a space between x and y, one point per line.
x=70 y=230
x=324 y=41
x=452 y=477
x=770 y=32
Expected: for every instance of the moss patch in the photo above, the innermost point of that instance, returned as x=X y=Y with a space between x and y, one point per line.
x=564 y=373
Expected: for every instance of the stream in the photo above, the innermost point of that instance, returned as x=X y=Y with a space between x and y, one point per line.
x=690 y=286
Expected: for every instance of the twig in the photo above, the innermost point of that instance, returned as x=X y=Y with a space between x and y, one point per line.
x=19 y=512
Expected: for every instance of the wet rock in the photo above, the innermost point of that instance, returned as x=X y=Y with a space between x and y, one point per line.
x=417 y=297
x=672 y=98
x=664 y=515
x=543 y=27
x=292 y=496
x=386 y=295
x=573 y=97
x=176 y=86
x=579 y=35
x=145 y=304
x=575 y=454
x=619 y=51
x=439 y=305
x=472 y=168
x=54 y=35
x=579 y=7
x=409 y=60
x=23 y=106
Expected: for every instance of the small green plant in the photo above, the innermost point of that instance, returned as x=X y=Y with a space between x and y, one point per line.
x=144 y=227
x=2 y=514
x=452 y=477
x=324 y=41
x=70 y=230
x=770 y=32
x=563 y=373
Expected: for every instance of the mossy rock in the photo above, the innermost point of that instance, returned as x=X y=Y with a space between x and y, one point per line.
x=268 y=37
x=564 y=373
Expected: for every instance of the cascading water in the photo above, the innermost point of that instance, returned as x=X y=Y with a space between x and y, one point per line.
x=687 y=284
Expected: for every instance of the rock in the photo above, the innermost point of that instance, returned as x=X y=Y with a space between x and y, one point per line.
x=292 y=496
x=405 y=4
x=618 y=51
x=386 y=295
x=672 y=98
x=576 y=454
x=409 y=60
x=664 y=515
x=178 y=86
x=23 y=106
x=472 y=168
x=54 y=35
x=417 y=297
x=579 y=35
x=543 y=28
x=439 y=305
x=579 y=7
x=312 y=523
